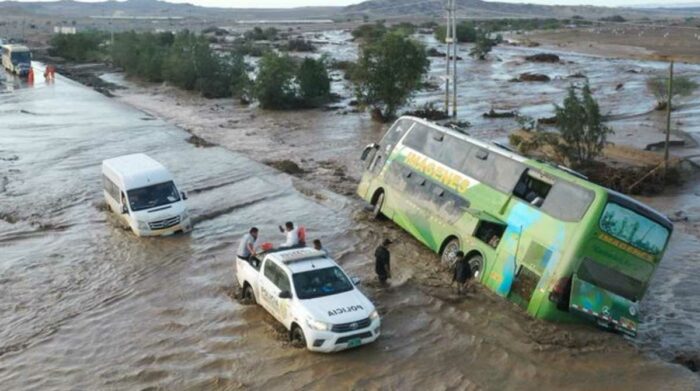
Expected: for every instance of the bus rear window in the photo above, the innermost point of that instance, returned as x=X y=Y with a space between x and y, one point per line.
x=633 y=228
x=610 y=279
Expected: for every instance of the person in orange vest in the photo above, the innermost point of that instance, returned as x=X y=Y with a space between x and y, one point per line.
x=30 y=76
x=50 y=72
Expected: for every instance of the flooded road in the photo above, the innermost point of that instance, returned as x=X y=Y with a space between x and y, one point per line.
x=84 y=304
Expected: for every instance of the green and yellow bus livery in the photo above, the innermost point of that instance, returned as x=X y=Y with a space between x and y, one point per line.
x=541 y=235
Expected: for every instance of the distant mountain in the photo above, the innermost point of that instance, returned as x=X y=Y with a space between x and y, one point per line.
x=70 y=8
x=684 y=5
x=484 y=9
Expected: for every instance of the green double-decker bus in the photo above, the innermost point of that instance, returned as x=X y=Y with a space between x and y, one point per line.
x=541 y=235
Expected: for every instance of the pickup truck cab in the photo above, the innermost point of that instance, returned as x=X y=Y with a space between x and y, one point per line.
x=312 y=297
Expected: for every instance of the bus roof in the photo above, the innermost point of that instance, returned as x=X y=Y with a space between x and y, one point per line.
x=559 y=172
x=564 y=173
x=136 y=170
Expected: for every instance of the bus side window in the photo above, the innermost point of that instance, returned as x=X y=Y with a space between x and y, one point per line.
x=531 y=189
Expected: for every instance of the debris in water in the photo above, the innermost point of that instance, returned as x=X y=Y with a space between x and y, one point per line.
x=286 y=166
x=200 y=142
x=499 y=114
x=543 y=57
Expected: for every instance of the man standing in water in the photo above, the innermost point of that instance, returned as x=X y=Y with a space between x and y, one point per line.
x=382 y=262
x=246 y=248
x=462 y=272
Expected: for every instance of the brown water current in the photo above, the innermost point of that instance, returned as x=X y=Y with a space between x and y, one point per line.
x=84 y=304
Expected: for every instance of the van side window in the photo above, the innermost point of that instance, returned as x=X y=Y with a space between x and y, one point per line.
x=110 y=188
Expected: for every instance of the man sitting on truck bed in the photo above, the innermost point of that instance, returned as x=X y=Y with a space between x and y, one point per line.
x=246 y=248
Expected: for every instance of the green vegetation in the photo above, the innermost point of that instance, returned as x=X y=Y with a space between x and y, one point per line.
x=466 y=32
x=388 y=72
x=581 y=126
x=299 y=45
x=82 y=47
x=482 y=46
x=258 y=34
x=369 y=32
x=658 y=85
x=282 y=83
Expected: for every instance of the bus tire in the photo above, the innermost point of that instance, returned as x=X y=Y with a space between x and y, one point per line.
x=297 y=337
x=448 y=256
x=476 y=264
x=377 y=204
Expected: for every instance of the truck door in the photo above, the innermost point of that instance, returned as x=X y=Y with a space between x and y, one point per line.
x=273 y=281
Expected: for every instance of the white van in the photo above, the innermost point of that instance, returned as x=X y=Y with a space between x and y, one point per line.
x=142 y=192
x=17 y=59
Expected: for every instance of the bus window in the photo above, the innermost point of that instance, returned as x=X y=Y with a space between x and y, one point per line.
x=532 y=188
x=416 y=138
x=567 y=201
x=633 y=228
x=454 y=152
x=397 y=131
x=489 y=232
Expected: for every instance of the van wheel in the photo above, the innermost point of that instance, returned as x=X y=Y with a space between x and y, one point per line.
x=476 y=264
x=297 y=337
x=377 y=207
x=247 y=294
x=449 y=253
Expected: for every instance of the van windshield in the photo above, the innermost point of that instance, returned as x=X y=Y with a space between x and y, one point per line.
x=321 y=282
x=21 y=57
x=151 y=196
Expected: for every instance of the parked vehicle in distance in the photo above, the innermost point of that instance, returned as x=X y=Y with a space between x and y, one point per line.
x=17 y=59
x=143 y=193
x=312 y=297
x=540 y=235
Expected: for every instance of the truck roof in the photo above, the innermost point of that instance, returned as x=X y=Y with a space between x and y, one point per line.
x=136 y=170
x=302 y=259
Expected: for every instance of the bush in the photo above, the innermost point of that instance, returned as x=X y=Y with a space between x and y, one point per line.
x=258 y=34
x=300 y=45
x=682 y=86
x=274 y=84
x=388 y=72
x=314 y=82
x=581 y=126
x=482 y=46
x=465 y=32
x=80 y=47
x=369 y=32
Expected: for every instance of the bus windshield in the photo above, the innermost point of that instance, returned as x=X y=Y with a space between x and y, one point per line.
x=321 y=282
x=633 y=228
x=21 y=57
x=152 y=196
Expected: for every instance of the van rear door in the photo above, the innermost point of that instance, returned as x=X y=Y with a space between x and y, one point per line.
x=606 y=296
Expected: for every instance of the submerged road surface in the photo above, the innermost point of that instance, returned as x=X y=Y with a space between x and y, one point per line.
x=84 y=304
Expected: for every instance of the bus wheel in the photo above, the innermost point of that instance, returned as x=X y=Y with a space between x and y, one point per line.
x=476 y=263
x=377 y=209
x=449 y=252
x=297 y=337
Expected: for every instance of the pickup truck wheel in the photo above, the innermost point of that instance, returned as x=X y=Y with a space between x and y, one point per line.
x=297 y=337
x=247 y=294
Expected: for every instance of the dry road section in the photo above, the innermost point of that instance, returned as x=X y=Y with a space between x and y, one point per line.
x=85 y=304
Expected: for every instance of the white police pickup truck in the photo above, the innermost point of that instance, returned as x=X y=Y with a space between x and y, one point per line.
x=312 y=297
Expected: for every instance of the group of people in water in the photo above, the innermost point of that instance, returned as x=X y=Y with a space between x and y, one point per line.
x=296 y=237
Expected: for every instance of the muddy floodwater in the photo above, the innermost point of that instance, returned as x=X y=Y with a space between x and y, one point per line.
x=84 y=304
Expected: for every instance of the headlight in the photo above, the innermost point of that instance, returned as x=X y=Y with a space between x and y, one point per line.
x=143 y=226
x=318 y=325
x=374 y=315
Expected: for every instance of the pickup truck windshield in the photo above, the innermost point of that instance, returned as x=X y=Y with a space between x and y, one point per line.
x=151 y=196
x=320 y=282
x=633 y=228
